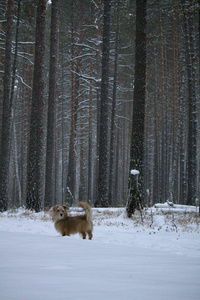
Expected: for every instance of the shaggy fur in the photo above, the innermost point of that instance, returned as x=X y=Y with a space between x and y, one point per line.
x=67 y=225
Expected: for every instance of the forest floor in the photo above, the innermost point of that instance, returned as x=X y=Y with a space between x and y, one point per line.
x=153 y=256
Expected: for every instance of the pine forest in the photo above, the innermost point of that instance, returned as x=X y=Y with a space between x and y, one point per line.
x=99 y=102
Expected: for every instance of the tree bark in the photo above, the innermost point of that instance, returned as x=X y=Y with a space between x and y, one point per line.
x=102 y=198
x=135 y=197
x=6 y=116
x=71 y=175
x=112 y=130
x=50 y=157
x=192 y=126
x=35 y=181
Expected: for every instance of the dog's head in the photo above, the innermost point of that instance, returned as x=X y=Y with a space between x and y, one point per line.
x=58 y=212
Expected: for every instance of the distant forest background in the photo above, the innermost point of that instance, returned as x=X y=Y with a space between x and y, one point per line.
x=60 y=108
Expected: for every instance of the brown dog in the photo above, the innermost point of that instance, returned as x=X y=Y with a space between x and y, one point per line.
x=67 y=225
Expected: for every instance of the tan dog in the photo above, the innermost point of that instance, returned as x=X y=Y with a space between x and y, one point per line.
x=67 y=225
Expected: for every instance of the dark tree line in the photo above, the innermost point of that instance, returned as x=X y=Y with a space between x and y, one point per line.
x=91 y=90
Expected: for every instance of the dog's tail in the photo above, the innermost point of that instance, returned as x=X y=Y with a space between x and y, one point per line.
x=87 y=208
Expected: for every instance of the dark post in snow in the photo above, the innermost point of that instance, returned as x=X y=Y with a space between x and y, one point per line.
x=134 y=193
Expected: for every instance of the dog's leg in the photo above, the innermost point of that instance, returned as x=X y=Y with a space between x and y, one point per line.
x=89 y=235
x=83 y=235
x=65 y=233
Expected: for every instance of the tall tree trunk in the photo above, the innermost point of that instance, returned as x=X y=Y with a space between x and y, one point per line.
x=2 y=58
x=135 y=197
x=90 y=145
x=192 y=126
x=102 y=198
x=90 y=131
x=14 y=141
x=35 y=160
x=98 y=89
x=71 y=175
x=112 y=130
x=50 y=161
x=6 y=117
x=83 y=191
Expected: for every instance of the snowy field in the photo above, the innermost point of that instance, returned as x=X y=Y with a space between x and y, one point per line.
x=156 y=257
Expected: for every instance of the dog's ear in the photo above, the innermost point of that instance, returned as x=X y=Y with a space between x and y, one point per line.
x=65 y=207
x=53 y=208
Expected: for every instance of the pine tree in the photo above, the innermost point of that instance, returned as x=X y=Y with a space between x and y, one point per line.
x=35 y=180
x=137 y=141
x=102 y=198
x=71 y=175
x=49 y=186
x=114 y=100
x=192 y=126
x=6 y=117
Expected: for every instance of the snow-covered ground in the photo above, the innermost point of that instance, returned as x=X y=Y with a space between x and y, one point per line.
x=156 y=257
